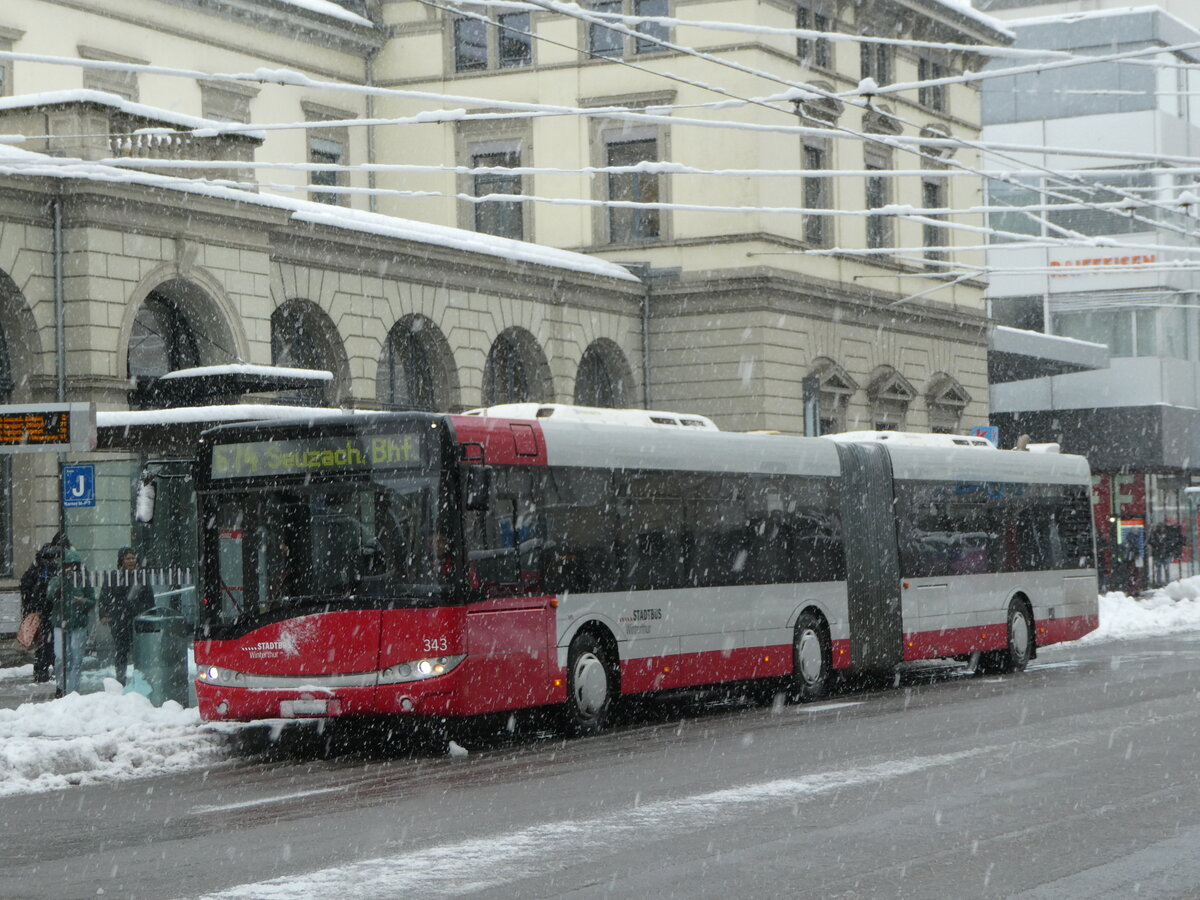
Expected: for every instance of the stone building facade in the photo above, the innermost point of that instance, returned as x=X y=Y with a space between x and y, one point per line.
x=437 y=305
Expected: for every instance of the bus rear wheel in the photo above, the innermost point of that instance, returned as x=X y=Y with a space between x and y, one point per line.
x=1019 y=648
x=812 y=659
x=591 y=682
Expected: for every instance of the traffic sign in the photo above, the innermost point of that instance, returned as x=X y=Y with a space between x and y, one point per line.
x=79 y=486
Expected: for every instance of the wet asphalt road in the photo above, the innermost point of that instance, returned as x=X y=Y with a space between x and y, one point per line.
x=1078 y=779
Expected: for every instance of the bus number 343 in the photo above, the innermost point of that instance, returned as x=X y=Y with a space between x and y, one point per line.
x=436 y=645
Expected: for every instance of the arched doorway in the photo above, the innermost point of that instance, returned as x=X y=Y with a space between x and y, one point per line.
x=177 y=326
x=417 y=368
x=516 y=370
x=304 y=337
x=604 y=377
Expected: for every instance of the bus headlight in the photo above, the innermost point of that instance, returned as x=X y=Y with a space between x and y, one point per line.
x=218 y=675
x=420 y=669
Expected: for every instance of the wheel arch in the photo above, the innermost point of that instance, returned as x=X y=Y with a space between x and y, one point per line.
x=602 y=631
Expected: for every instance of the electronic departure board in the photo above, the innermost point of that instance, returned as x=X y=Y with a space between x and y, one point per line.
x=48 y=426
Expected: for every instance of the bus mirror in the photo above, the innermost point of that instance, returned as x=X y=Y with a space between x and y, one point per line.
x=143 y=510
x=478 y=487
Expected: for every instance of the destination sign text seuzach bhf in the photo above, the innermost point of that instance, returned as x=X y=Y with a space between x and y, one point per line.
x=314 y=455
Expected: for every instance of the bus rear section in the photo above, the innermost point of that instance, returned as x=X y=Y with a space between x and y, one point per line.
x=996 y=551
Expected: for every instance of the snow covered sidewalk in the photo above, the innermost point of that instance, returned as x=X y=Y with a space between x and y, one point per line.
x=114 y=736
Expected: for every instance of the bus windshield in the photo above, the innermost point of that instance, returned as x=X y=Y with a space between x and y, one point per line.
x=348 y=545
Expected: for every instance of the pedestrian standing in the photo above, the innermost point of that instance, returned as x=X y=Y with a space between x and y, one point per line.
x=36 y=599
x=73 y=599
x=123 y=599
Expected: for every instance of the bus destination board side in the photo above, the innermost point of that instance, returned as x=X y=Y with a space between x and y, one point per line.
x=305 y=456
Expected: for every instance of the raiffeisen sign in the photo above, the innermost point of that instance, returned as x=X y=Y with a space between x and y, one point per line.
x=1066 y=268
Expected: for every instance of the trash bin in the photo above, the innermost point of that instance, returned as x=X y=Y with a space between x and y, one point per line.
x=160 y=645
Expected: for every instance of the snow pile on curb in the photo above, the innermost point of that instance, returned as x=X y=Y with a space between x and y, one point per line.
x=1170 y=610
x=89 y=738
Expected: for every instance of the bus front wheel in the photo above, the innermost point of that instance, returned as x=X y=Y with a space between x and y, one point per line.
x=812 y=659
x=591 y=680
x=1019 y=649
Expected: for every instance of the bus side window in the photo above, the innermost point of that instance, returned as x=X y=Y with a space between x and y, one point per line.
x=578 y=515
x=503 y=541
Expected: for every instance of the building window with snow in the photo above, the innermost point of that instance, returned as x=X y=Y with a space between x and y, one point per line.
x=816 y=52
x=876 y=62
x=605 y=41
x=479 y=45
x=8 y=36
x=818 y=194
x=328 y=146
x=932 y=96
x=934 y=236
x=632 y=224
x=498 y=217
x=878 y=195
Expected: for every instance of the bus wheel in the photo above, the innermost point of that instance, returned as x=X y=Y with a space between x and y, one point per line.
x=812 y=659
x=1016 y=655
x=591 y=678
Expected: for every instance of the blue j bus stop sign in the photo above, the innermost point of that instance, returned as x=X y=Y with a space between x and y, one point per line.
x=78 y=486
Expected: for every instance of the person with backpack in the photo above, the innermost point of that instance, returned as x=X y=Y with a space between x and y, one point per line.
x=36 y=599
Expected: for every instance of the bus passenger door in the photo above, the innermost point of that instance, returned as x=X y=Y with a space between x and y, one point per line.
x=872 y=557
x=509 y=624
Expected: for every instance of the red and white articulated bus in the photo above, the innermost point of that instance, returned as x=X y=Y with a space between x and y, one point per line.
x=412 y=564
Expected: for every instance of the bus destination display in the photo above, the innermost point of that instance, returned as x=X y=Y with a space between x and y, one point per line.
x=314 y=455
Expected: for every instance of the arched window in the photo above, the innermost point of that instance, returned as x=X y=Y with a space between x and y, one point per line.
x=409 y=375
x=162 y=339
x=516 y=370
x=604 y=377
x=300 y=340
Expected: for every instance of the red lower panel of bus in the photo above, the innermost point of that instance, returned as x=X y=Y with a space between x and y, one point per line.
x=961 y=641
x=662 y=673
x=509 y=645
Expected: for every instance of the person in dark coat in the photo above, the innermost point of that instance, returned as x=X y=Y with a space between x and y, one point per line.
x=122 y=599
x=35 y=599
x=73 y=600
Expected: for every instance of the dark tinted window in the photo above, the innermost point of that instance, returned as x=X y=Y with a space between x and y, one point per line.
x=970 y=527
x=606 y=531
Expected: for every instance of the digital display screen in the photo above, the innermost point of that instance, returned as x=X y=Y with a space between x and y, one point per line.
x=316 y=455
x=34 y=428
